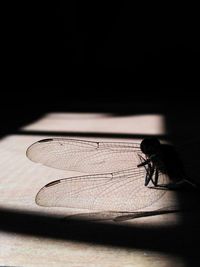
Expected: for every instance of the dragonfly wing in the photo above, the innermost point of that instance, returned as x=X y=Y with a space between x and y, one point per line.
x=118 y=191
x=84 y=156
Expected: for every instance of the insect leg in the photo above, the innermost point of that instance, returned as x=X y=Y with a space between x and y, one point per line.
x=145 y=162
x=155 y=181
x=150 y=171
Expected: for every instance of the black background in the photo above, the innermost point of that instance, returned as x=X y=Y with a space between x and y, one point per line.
x=97 y=56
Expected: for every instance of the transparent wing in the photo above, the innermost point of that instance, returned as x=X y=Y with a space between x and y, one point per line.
x=118 y=191
x=84 y=156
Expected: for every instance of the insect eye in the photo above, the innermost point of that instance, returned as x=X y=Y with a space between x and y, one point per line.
x=150 y=146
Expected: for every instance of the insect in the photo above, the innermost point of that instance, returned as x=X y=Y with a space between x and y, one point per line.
x=120 y=176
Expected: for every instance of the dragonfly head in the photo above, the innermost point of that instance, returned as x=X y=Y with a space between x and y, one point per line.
x=150 y=146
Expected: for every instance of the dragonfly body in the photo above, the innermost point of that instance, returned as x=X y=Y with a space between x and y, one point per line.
x=164 y=159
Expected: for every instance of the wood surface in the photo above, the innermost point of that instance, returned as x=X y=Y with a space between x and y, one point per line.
x=31 y=235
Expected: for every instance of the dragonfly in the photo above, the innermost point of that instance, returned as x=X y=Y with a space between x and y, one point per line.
x=119 y=176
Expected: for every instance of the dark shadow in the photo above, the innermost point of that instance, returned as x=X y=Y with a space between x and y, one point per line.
x=88 y=134
x=12 y=119
x=170 y=239
x=182 y=121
